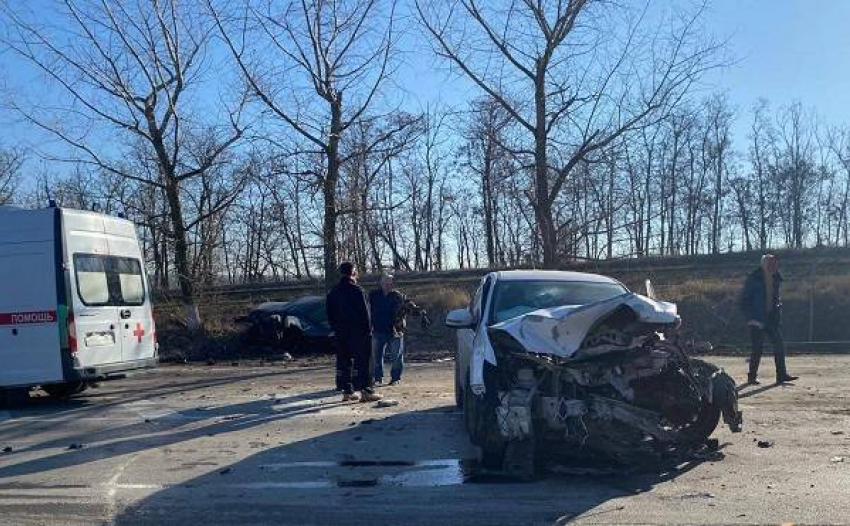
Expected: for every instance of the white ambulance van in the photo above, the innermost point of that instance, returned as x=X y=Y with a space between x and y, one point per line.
x=74 y=300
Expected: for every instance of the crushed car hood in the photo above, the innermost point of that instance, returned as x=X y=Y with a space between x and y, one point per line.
x=561 y=331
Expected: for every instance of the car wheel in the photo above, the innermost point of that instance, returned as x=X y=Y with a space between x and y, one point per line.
x=519 y=459
x=470 y=415
x=703 y=426
x=292 y=340
x=64 y=391
x=458 y=387
x=14 y=397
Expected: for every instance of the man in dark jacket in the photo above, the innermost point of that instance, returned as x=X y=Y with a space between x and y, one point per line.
x=348 y=315
x=762 y=306
x=389 y=309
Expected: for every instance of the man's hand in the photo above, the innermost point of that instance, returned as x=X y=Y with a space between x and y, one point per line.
x=426 y=321
x=755 y=323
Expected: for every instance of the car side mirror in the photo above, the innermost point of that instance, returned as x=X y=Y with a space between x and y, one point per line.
x=460 y=319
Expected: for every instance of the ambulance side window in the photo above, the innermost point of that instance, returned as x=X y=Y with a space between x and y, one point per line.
x=109 y=280
x=92 y=283
x=131 y=284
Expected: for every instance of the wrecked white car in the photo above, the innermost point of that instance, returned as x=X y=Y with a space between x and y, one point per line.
x=578 y=361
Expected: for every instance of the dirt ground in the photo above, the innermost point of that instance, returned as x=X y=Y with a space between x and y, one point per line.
x=253 y=444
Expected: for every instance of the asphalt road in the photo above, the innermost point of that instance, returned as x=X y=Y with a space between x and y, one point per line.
x=271 y=445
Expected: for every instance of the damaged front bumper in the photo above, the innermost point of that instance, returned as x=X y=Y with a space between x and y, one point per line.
x=601 y=377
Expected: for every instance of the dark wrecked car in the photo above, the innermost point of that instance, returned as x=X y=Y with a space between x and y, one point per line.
x=578 y=362
x=294 y=326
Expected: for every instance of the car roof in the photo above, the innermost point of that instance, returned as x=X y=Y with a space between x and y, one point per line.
x=552 y=275
x=271 y=305
x=304 y=301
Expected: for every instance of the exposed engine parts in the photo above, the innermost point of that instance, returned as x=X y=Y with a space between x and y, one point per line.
x=625 y=390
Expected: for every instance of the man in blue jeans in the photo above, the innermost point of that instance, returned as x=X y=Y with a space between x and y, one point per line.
x=389 y=309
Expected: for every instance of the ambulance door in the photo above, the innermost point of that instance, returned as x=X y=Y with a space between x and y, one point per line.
x=134 y=310
x=95 y=315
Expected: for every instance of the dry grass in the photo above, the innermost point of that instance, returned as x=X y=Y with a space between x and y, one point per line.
x=708 y=304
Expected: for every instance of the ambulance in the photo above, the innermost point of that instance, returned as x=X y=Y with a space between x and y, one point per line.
x=75 y=303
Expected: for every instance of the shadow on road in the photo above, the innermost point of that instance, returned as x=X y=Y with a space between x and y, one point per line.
x=93 y=400
x=415 y=467
x=744 y=393
x=149 y=433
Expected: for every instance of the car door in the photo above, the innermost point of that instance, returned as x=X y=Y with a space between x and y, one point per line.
x=134 y=310
x=466 y=337
x=95 y=317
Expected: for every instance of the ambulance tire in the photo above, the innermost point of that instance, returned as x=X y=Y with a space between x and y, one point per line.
x=14 y=397
x=64 y=391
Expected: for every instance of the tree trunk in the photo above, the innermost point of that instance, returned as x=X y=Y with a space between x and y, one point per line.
x=542 y=202
x=329 y=193
x=181 y=255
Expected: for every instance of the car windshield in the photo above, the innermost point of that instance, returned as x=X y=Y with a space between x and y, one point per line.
x=515 y=298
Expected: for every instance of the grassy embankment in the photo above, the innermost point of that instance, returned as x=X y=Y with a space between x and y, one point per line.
x=816 y=302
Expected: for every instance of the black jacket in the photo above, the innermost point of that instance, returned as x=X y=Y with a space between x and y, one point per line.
x=347 y=310
x=753 y=297
x=389 y=311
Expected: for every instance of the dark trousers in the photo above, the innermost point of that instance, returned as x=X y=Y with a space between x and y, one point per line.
x=772 y=331
x=354 y=362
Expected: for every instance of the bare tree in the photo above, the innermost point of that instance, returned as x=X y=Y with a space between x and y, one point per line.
x=10 y=167
x=318 y=67
x=127 y=70
x=565 y=76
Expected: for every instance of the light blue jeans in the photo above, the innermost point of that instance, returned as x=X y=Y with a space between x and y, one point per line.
x=394 y=347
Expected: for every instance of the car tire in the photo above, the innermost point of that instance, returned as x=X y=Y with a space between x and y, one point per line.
x=459 y=395
x=65 y=390
x=292 y=341
x=706 y=422
x=14 y=397
x=519 y=459
x=470 y=414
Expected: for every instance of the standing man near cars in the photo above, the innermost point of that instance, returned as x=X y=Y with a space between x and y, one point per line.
x=348 y=316
x=389 y=309
x=762 y=306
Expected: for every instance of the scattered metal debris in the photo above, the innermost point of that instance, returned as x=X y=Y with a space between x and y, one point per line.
x=836 y=460
x=386 y=403
x=764 y=443
x=76 y=446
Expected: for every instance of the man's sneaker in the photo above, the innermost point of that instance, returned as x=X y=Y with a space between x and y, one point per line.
x=752 y=380
x=786 y=378
x=395 y=382
x=351 y=397
x=370 y=397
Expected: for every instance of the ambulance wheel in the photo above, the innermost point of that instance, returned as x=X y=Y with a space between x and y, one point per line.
x=63 y=391
x=14 y=397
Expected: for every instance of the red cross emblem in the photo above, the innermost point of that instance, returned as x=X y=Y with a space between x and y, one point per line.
x=139 y=332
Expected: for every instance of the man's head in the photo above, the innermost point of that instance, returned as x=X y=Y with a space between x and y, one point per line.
x=387 y=282
x=347 y=270
x=770 y=263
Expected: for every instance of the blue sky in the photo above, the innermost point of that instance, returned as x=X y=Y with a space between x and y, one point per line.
x=786 y=50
